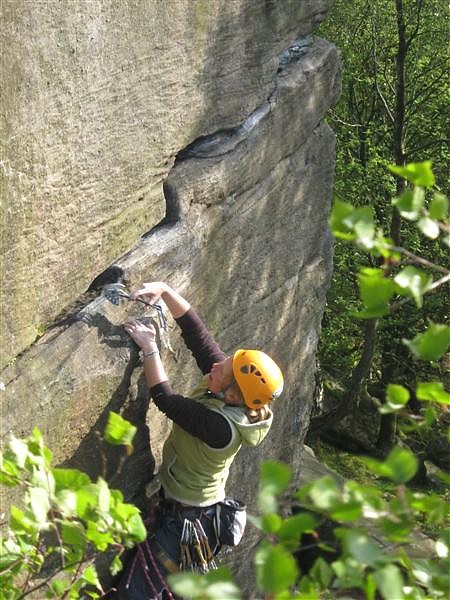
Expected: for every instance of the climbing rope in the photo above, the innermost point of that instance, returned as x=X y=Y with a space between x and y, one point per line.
x=142 y=552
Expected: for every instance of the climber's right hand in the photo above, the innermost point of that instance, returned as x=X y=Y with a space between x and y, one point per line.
x=150 y=292
x=153 y=291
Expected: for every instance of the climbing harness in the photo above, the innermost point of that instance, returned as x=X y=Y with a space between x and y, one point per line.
x=115 y=292
x=195 y=554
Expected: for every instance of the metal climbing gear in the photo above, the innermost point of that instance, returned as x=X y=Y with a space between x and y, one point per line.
x=195 y=551
x=115 y=292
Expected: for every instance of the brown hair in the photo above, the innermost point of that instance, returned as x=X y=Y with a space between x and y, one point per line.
x=255 y=415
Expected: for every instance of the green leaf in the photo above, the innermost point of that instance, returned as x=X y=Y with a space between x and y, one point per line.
x=73 y=533
x=376 y=290
x=87 y=499
x=349 y=571
x=20 y=523
x=115 y=566
x=186 y=584
x=214 y=585
x=10 y=472
x=397 y=394
x=38 y=503
x=101 y=539
x=324 y=492
x=390 y=582
x=69 y=479
x=7 y=560
x=416 y=173
x=19 y=450
x=104 y=495
x=351 y=223
x=433 y=392
x=402 y=463
x=346 y=511
x=362 y=223
x=400 y=466
x=409 y=204
x=58 y=587
x=66 y=501
x=339 y=213
x=276 y=569
x=223 y=589
x=274 y=480
x=428 y=227
x=431 y=344
x=370 y=587
x=119 y=432
x=90 y=576
x=438 y=207
x=322 y=573
x=137 y=528
x=271 y=522
x=358 y=545
x=307 y=590
x=275 y=475
x=413 y=282
x=293 y=527
x=395 y=528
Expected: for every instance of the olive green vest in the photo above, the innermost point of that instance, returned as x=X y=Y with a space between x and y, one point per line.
x=194 y=473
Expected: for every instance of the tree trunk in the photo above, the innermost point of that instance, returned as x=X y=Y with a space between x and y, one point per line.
x=350 y=398
x=399 y=114
x=388 y=425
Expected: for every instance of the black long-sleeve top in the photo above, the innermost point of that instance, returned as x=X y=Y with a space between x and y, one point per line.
x=198 y=420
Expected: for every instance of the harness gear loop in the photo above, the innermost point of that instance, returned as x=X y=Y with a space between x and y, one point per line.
x=195 y=551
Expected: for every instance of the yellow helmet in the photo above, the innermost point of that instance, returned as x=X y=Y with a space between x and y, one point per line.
x=259 y=378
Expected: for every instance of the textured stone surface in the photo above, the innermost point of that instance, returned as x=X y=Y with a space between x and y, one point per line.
x=205 y=108
x=98 y=98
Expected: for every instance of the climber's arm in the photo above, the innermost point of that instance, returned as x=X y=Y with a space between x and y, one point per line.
x=198 y=420
x=145 y=338
x=196 y=336
x=152 y=292
x=199 y=341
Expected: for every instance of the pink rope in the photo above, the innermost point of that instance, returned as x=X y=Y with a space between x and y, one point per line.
x=141 y=556
x=158 y=572
x=145 y=569
x=130 y=574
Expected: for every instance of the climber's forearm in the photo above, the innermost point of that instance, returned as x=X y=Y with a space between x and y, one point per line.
x=177 y=305
x=153 y=367
x=154 y=290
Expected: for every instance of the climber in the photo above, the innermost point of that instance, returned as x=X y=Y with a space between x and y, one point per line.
x=230 y=407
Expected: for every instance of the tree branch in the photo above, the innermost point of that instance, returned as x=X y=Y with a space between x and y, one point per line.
x=417 y=149
x=417 y=259
x=334 y=117
x=416 y=28
x=377 y=87
x=396 y=305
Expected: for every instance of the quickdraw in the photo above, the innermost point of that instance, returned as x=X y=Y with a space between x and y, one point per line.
x=115 y=292
x=195 y=551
